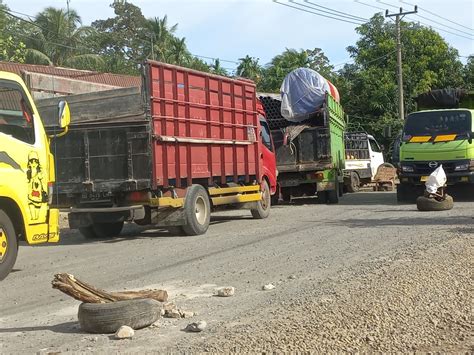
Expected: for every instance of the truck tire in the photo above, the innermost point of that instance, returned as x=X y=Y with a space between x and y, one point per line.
x=332 y=196
x=354 y=182
x=105 y=318
x=8 y=245
x=197 y=210
x=102 y=230
x=406 y=193
x=430 y=204
x=263 y=206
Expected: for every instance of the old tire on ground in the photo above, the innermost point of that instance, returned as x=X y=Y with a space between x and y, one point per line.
x=354 y=183
x=263 y=206
x=430 y=204
x=102 y=230
x=197 y=210
x=105 y=318
x=8 y=245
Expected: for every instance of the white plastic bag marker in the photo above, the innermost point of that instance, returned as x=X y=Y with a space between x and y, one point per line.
x=436 y=180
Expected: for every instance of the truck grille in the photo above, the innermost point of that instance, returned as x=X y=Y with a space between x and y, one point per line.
x=423 y=168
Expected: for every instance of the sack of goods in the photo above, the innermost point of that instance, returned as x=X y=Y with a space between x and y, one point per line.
x=303 y=92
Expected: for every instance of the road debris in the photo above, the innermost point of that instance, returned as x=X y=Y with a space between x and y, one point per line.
x=268 y=287
x=196 y=326
x=124 y=332
x=226 y=291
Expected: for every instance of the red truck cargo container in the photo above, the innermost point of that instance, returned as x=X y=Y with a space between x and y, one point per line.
x=167 y=154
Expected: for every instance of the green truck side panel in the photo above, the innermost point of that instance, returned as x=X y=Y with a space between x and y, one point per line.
x=337 y=127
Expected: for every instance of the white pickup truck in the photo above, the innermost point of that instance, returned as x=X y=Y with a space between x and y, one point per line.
x=363 y=157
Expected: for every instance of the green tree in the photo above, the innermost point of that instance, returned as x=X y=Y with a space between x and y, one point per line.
x=216 y=68
x=368 y=87
x=468 y=73
x=249 y=68
x=56 y=38
x=121 y=40
x=12 y=48
x=291 y=59
x=162 y=39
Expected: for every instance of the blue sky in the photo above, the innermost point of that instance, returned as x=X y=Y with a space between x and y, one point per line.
x=231 y=29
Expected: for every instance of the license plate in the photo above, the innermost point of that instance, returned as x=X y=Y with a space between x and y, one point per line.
x=424 y=178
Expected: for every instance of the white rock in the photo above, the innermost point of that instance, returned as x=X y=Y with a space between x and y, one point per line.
x=196 y=327
x=268 y=287
x=226 y=291
x=124 y=332
x=187 y=314
x=172 y=313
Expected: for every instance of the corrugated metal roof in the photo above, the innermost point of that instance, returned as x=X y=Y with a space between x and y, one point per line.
x=85 y=75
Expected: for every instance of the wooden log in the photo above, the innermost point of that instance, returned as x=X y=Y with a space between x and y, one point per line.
x=84 y=292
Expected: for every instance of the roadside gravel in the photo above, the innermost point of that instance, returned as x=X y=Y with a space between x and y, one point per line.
x=419 y=300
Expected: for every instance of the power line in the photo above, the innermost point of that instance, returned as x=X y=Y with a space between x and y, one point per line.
x=441 y=17
x=440 y=29
x=315 y=13
x=428 y=19
x=331 y=11
x=370 y=61
x=369 y=5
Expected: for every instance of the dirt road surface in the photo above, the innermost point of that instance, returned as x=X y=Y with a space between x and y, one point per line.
x=364 y=275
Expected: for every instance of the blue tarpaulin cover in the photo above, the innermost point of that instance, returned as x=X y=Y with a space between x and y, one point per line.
x=302 y=92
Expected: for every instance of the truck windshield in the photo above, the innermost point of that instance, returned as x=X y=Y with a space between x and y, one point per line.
x=438 y=122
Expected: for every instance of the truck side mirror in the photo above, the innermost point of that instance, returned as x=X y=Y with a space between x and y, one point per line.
x=470 y=136
x=64 y=115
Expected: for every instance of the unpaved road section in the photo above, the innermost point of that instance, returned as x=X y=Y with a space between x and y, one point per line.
x=364 y=275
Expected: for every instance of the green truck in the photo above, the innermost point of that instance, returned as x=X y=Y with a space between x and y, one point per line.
x=441 y=133
x=310 y=155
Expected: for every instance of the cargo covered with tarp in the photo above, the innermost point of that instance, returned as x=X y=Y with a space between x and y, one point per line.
x=303 y=93
x=445 y=99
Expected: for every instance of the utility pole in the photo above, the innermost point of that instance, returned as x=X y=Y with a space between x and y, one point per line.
x=398 y=17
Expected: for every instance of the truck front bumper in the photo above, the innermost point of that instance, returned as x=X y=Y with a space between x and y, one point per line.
x=462 y=177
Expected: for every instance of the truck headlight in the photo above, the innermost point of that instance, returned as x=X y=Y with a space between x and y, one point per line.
x=461 y=166
x=407 y=169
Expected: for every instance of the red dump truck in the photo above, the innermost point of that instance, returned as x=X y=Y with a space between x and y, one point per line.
x=165 y=154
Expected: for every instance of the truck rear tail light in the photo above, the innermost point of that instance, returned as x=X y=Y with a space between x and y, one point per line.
x=138 y=196
x=319 y=176
x=50 y=192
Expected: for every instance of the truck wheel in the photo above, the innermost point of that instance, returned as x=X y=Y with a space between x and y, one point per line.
x=8 y=245
x=332 y=196
x=430 y=204
x=406 y=193
x=354 y=184
x=102 y=230
x=197 y=210
x=109 y=317
x=263 y=206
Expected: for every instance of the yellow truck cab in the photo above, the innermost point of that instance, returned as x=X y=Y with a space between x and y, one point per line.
x=26 y=172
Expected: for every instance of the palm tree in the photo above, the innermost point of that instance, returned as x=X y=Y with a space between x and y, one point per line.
x=249 y=68
x=57 y=40
x=161 y=37
x=217 y=69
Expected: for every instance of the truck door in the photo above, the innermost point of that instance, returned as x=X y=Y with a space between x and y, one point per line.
x=376 y=155
x=23 y=157
x=268 y=154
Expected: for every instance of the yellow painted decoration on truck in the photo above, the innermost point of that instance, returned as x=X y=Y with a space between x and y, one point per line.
x=445 y=138
x=26 y=169
x=420 y=139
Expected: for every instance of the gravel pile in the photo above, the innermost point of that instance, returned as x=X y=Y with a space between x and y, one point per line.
x=419 y=301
